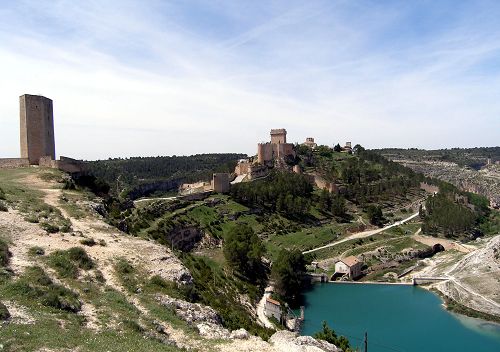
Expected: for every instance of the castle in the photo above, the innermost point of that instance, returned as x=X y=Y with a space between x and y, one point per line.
x=277 y=150
x=37 y=139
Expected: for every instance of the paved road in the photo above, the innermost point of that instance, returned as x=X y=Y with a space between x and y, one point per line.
x=362 y=234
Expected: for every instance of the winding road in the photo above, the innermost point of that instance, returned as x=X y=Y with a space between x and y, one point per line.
x=363 y=234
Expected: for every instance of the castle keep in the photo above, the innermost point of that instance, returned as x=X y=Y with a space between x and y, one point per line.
x=37 y=128
x=276 y=150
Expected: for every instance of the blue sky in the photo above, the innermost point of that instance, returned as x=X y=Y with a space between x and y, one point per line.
x=183 y=77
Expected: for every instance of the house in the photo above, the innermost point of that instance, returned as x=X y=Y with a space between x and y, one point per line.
x=272 y=308
x=350 y=266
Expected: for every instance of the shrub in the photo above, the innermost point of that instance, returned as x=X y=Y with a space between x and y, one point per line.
x=49 y=227
x=67 y=263
x=3 y=207
x=4 y=312
x=4 y=253
x=34 y=251
x=35 y=284
x=88 y=242
x=2 y=194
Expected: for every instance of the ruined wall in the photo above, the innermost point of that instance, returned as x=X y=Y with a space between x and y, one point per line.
x=264 y=152
x=284 y=150
x=36 y=127
x=7 y=163
x=220 y=182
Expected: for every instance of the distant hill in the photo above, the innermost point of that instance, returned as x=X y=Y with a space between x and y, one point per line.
x=472 y=157
x=141 y=176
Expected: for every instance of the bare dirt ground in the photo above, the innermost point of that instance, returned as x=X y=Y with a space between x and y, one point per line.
x=474 y=277
x=447 y=244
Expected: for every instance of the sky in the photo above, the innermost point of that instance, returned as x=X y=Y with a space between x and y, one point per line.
x=148 y=78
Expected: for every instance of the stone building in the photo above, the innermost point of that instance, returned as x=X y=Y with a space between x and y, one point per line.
x=220 y=182
x=272 y=308
x=310 y=143
x=277 y=149
x=37 y=128
x=349 y=266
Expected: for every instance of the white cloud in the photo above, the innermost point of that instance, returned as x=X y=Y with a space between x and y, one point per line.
x=133 y=80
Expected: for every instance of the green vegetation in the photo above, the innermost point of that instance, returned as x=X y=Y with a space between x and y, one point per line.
x=472 y=157
x=4 y=312
x=328 y=334
x=67 y=263
x=243 y=250
x=142 y=176
x=4 y=253
x=221 y=290
x=34 y=284
x=283 y=192
x=36 y=251
x=455 y=213
x=287 y=273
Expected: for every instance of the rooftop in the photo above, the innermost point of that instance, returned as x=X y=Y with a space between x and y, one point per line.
x=273 y=301
x=350 y=261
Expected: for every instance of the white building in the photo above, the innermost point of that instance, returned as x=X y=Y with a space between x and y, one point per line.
x=273 y=308
x=350 y=266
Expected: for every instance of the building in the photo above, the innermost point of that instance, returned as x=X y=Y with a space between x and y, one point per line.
x=349 y=266
x=37 y=128
x=310 y=143
x=272 y=308
x=220 y=182
x=277 y=149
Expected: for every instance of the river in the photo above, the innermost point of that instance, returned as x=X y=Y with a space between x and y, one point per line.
x=396 y=318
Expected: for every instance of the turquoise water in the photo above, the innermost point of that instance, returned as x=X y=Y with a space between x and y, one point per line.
x=397 y=318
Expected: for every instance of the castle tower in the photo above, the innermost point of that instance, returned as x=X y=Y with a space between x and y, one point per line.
x=37 y=128
x=278 y=136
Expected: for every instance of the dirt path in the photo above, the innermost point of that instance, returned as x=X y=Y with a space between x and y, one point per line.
x=363 y=234
x=447 y=244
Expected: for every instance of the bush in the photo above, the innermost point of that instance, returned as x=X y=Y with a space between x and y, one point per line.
x=2 y=194
x=4 y=312
x=88 y=242
x=3 y=207
x=49 y=227
x=67 y=263
x=34 y=251
x=4 y=253
x=35 y=284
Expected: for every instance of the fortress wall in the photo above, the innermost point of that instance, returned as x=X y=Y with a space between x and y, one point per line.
x=7 y=163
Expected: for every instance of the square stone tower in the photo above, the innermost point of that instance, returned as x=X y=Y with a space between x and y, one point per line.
x=278 y=136
x=37 y=128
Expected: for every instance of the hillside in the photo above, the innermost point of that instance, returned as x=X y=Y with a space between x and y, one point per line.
x=69 y=281
x=465 y=168
x=143 y=176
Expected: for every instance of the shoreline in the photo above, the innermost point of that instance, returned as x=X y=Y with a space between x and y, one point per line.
x=370 y=283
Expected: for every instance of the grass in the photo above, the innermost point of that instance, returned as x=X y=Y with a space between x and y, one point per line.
x=67 y=263
x=34 y=284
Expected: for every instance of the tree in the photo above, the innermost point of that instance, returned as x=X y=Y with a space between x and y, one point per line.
x=337 y=148
x=328 y=334
x=287 y=272
x=375 y=215
x=243 y=250
x=338 y=206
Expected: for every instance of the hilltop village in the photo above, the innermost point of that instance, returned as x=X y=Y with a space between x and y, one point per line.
x=216 y=256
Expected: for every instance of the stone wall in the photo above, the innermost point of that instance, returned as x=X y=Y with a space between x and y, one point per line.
x=7 y=163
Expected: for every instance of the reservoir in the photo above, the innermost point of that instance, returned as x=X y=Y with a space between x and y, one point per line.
x=396 y=318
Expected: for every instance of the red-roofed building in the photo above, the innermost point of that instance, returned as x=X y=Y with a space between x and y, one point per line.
x=350 y=266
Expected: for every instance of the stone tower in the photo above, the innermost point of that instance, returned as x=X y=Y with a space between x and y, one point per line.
x=37 y=128
x=278 y=136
